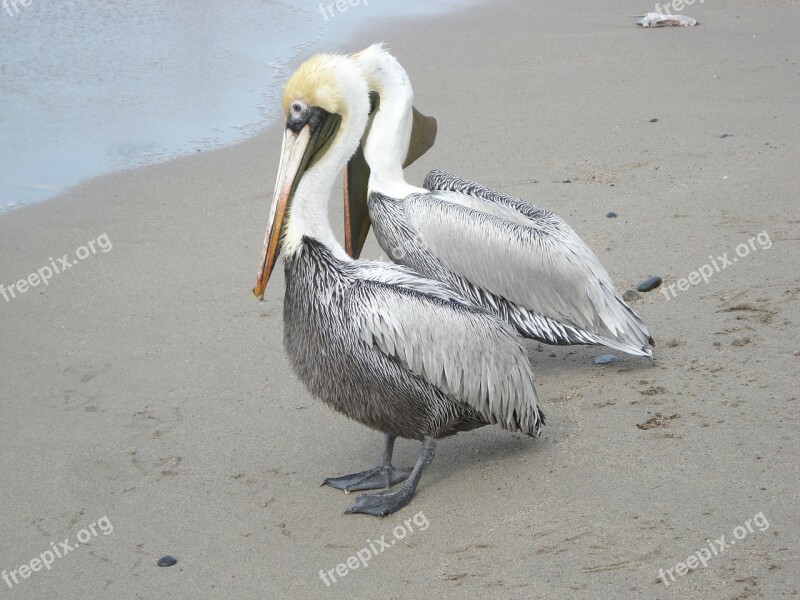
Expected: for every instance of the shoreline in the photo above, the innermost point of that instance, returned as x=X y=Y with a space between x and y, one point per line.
x=157 y=93
x=146 y=387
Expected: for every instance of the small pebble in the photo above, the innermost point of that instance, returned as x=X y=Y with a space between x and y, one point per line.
x=612 y=215
x=605 y=359
x=650 y=283
x=631 y=296
x=167 y=561
x=654 y=120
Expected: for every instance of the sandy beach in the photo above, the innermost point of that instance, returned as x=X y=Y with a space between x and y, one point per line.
x=148 y=408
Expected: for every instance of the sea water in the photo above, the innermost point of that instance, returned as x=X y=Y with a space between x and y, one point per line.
x=92 y=86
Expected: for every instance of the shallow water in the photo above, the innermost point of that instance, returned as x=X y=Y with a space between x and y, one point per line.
x=88 y=87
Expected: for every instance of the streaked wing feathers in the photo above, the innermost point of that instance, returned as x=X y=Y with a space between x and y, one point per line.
x=469 y=354
x=539 y=262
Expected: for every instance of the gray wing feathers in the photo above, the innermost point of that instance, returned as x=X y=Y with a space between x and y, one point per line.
x=400 y=276
x=539 y=263
x=469 y=354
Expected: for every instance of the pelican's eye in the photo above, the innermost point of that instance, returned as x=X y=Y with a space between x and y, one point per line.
x=297 y=108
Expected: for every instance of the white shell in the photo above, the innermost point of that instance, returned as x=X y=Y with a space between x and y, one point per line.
x=657 y=19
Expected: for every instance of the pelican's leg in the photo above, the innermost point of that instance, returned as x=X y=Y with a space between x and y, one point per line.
x=382 y=476
x=385 y=503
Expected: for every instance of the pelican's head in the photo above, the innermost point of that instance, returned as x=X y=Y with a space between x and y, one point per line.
x=403 y=136
x=386 y=79
x=326 y=106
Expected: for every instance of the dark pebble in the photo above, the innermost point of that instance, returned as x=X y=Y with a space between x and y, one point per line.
x=650 y=283
x=167 y=561
x=612 y=215
x=605 y=359
x=631 y=296
x=724 y=135
x=654 y=120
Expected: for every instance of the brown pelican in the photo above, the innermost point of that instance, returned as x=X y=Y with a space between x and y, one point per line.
x=396 y=352
x=519 y=261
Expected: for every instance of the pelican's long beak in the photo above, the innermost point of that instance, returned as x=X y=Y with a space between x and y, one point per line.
x=356 y=178
x=356 y=208
x=304 y=141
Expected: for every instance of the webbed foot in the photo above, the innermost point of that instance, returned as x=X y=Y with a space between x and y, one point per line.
x=379 y=478
x=383 y=503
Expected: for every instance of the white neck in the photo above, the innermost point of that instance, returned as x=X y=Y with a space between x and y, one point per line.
x=387 y=144
x=308 y=215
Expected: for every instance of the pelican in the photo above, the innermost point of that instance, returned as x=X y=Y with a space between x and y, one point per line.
x=519 y=261
x=401 y=354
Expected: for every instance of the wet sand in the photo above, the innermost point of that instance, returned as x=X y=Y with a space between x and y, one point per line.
x=145 y=385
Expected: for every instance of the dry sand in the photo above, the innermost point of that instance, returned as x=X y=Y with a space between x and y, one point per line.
x=146 y=385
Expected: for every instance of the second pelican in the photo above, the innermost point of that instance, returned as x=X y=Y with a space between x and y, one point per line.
x=519 y=261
